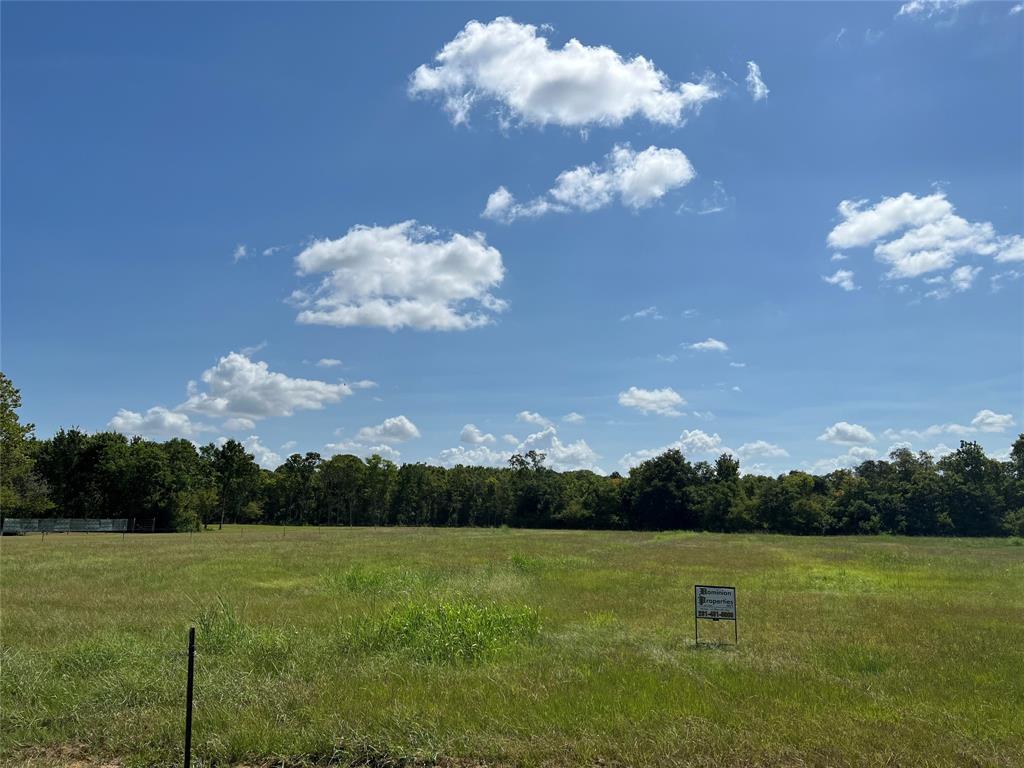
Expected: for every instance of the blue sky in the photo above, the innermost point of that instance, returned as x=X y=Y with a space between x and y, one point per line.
x=638 y=207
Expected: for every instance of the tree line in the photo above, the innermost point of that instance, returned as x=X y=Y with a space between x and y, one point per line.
x=182 y=486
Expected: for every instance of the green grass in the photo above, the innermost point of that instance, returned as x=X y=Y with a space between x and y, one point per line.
x=506 y=647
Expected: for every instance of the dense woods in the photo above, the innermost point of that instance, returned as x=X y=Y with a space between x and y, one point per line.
x=74 y=474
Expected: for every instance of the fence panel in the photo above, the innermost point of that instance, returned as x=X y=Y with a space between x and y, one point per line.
x=78 y=525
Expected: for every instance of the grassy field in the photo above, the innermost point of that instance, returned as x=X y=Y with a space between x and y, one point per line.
x=509 y=648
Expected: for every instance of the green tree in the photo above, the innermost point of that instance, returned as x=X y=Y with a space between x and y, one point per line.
x=974 y=489
x=238 y=478
x=342 y=478
x=294 y=489
x=21 y=489
x=660 y=493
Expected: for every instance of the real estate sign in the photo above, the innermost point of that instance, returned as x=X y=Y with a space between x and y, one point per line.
x=715 y=604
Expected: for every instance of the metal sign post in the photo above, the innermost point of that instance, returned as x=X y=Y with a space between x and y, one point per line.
x=188 y=696
x=714 y=604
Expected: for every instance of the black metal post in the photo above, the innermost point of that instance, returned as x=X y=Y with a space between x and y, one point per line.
x=735 y=619
x=188 y=696
x=695 y=640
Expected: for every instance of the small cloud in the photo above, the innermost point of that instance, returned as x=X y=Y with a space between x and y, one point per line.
x=328 y=362
x=844 y=433
x=990 y=421
x=532 y=417
x=962 y=278
x=573 y=418
x=667 y=358
x=397 y=429
x=239 y=424
x=473 y=436
x=926 y=9
x=762 y=448
x=263 y=455
x=716 y=202
x=663 y=402
x=650 y=313
x=737 y=365
x=634 y=179
x=249 y=351
x=843 y=278
x=239 y=253
x=755 y=85
x=872 y=36
x=709 y=345
x=996 y=281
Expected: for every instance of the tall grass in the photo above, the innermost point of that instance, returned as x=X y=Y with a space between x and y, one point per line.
x=510 y=648
x=447 y=632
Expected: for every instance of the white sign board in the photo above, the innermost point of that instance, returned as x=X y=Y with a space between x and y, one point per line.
x=714 y=603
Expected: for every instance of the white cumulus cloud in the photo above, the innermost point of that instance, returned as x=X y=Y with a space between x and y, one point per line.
x=240 y=387
x=697 y=441
x=404 y=275
x=237 y=389
x=664 y=402
x=473 y=436
x=157 y=423
x=477 y=456
x=559 y=455
x=914 y=236
x=635 y=179
x=531 y=417
x=695 y=444
x=573 y=418
x=563 y=457
x=762 y=448
x=985 y=420
x=844 y=433
x=990 y=421
x=853 y=457
x=263 y=455
x=577 y=85
x=364 y=450
x=397 y=429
